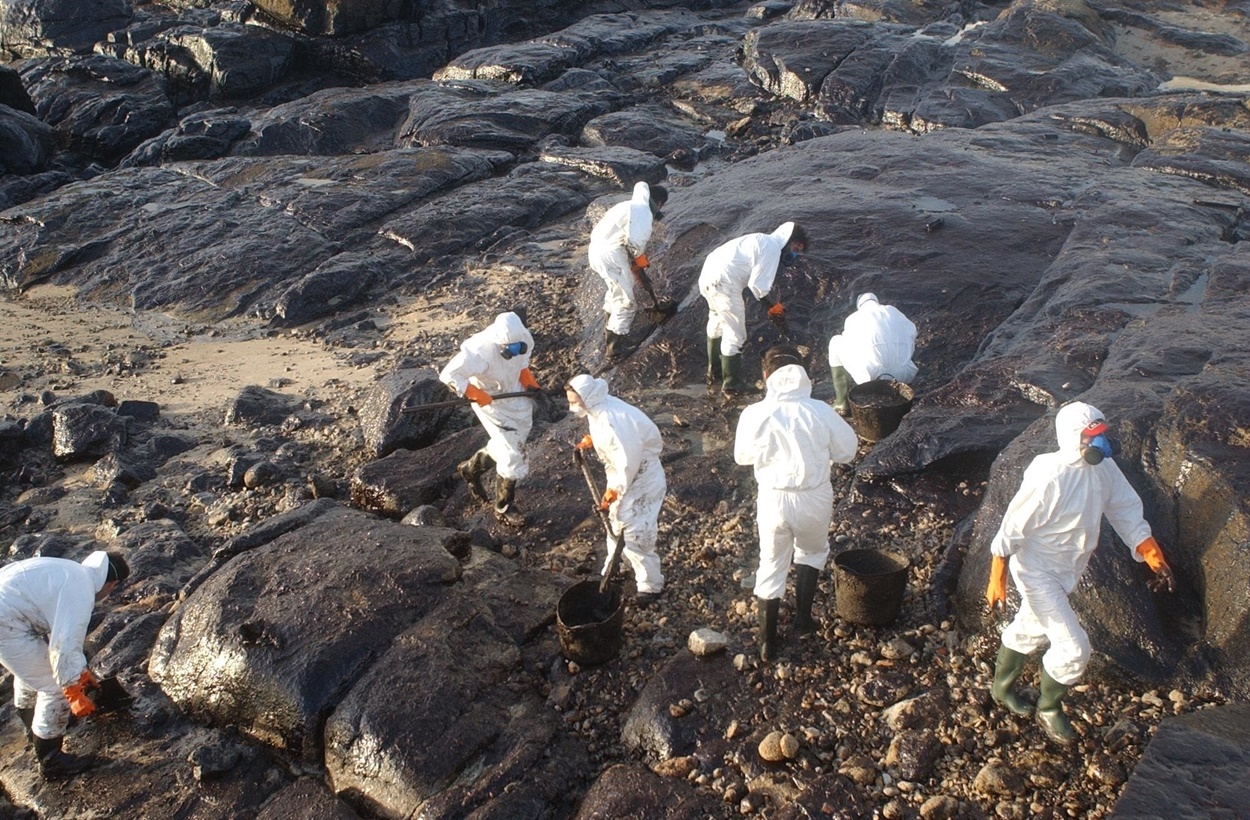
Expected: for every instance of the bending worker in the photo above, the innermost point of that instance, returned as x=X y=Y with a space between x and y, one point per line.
x=617 y=253
x=749 y=261
x=1048 y=533
x=629 y=444
x=792 y=441
x=876 y=340
x=45 y=606
x=496 y=360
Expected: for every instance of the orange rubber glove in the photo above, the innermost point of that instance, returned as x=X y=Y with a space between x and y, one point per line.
x=80 y=705
x=477 y=395
x=1153 y=555
x=777 y=311
x=641 y=262
x=586 y=443
x=996 y=589
x=608 y=497
x=528 y=381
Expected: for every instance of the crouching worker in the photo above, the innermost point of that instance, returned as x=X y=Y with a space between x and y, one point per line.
x=45 y=606
x=492 y=361
x=1048 y=533
x=876 y=340
x=629 y=444
x=792 y=442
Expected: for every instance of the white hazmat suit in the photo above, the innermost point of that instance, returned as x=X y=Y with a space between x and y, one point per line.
x=749 y=261
x=876 y=340
x=1048 y=533
x=792 y=441
x=619 y=236
x=480 y=363
x=629 y=445
x=45 y=607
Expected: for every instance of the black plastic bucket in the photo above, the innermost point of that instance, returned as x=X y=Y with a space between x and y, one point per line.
x=590 y=625
x=877 y=407
x=868 y=585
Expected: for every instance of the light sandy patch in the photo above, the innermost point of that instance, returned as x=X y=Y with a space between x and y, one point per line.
x=55 y=344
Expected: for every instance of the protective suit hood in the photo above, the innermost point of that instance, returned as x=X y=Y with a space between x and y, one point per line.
x=865 y=299
x=508 y=328
x=593 y=391
x=1070 y=421
x=642 y=194
x=788 y=382
x=783 y=232
x=97 y=563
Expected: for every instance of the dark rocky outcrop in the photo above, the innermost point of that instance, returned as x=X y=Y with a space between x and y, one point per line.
x=386 y=425
x=34 y=28
x=651 y=729
x=631 y=790
x=406 y=479
x=83 y=430
x=273 y=640
x=25 y=142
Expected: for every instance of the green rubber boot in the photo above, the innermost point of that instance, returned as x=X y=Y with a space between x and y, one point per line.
x=841 y=389
x=805 y=579
x=471 y=471
x=767 y=609
x=731 y=374
x=1050 y=714
x=1009 y=666
x=713 y=360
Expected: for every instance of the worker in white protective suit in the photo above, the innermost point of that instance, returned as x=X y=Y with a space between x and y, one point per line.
x=496 y=360
x=628 y=444
x=45 y=607
x=617 y=252
x=1047 y=535
x=750 y=261
x=876 y=340
x=791 y=440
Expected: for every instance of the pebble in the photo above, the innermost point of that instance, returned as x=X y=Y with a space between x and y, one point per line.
x=997 y=779
x=939 y=807
x=778 y=746
x=704 y=643
x=677 y=766
x=732 y=730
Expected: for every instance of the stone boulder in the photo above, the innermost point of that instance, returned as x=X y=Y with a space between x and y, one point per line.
x=448 y=715
x=226 y=60
x=306 y=799
x=35 y=28
x=161 y=557
x=631 y=790
x=383 y=420
x=618 y=165
x=13 y=93
x=271 y=641
x=1196 y=766
x=650 y=728
x=84 y=430
x=26 y=142
x=645 y=128
x=202 y=135
x=257 y=406
x=405 y=479
x=100 y=106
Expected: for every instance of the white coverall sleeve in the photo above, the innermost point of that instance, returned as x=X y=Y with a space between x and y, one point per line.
x=69 y=630
x=461 y=367
x=764 y=261
x=1124 y=511
x=638 y=232
x=1031 y=505
x=620 y=461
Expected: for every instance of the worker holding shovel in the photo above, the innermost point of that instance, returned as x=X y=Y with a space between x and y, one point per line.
x=629 y=444
x=492 y=362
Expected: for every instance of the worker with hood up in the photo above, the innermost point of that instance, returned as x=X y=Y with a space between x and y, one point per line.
x=876 y=340
x=628 y=444
x=617 y=250
x=791 y=440
x=45 y=607
x=1047 y=535
x=496 y=360
x=749 y=261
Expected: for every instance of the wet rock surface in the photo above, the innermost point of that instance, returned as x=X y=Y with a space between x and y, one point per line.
x=1010 y=175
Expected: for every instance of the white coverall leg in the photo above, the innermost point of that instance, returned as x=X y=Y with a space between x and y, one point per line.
x=835 y=352
x=636 y=515
x=508 y=430
x=1046 y=616
x=793 y=526
x=726 y=319
x=26 y=656
x=618 y=301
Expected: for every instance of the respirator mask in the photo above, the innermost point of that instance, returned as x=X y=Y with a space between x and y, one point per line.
x=512 y=350
x=1096 y=445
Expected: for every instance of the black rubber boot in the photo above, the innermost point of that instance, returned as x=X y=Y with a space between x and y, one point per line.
x=617 y=345
x=505 y=506
x=731 y=374
x=713 y=360
x=27 y=716
x=1006 y=670
x=805 y=579
x=1050 y=714
x=841 y=389
x=471 y=471
x=767 y=609
x=55 y=764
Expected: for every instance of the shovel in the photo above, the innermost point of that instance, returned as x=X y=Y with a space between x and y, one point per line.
x=527 y=394
x=110 y=696
x=662 y=310
x=614 y=537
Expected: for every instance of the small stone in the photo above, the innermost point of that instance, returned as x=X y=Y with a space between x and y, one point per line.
x=939 y=807
x=894 y=810
x=860 y=769
x=1107 y=771
x=704 y=643
x=897 y=649
x=789 y=746
x=770 y=748
x=741 y=662
x=676 y=766
x=677 y=710
x=997 y=779
x=732 y=730
x=574 y=667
